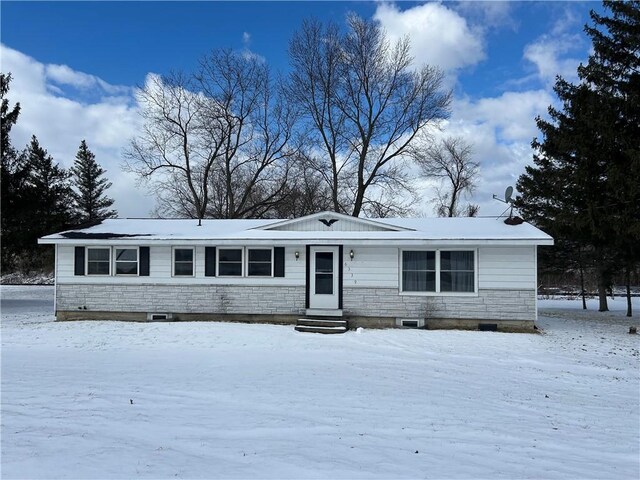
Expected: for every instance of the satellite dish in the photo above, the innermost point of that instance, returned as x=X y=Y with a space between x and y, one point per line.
x=508 y=199
x=507 y=195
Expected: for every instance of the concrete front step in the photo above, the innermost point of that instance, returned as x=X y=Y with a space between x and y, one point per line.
x=321 y=322
x=319 y=329
x=321 y=325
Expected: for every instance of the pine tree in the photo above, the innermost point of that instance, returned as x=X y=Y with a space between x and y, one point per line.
x=13 y=177
x=584 y=186
x=48 y=202
x=8 y=116
x=89 y=197
x=613 y=70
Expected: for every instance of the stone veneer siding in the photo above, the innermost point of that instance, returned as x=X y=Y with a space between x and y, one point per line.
x=488 y=305
x=509 y=305
x=220 y=299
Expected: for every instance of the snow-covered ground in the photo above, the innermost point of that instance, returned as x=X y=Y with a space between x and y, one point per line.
x=220 y=400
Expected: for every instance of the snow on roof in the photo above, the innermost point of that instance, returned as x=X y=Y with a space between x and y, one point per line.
x=417 y=229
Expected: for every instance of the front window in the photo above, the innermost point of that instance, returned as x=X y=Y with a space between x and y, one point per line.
x=259 y=262
x=183 y=262
x=126 y=261
x=457 y=271
x=230 y=262
x=98 y=261
x=418 y=271
x=446 y=271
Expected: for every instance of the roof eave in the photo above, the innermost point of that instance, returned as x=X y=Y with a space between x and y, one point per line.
x=302 y=241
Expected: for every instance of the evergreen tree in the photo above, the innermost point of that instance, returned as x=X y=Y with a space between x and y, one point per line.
x=8 y=116
x=89 y=197
x=13 y=178
x=584 y=186
x=613 y=70
x=48 y=203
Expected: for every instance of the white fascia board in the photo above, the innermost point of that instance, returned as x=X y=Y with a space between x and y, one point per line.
x=302 y=241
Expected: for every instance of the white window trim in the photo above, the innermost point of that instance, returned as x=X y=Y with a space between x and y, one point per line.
x=247 y=262
x=243 y=272
x=86 y=260
x=173 y=261
x=438 y=293
x=115 y=261
x=437 y=269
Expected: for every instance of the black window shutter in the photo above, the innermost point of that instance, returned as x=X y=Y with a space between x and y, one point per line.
x=278 y=262
x=78 y=268
x=209 y=261
x=144 y=261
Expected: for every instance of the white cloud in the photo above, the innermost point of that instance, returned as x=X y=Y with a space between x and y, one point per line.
x=63 y=75
x=554 y=53
x=60 y=122
x=246 y=50
x=488 y=14
x=500 y=130
x=547 y=54
x=439 y=35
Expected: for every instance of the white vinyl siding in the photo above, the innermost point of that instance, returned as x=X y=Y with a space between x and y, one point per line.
x=342 y=225
x=370 y=267
x=161 y=270
x=498 y=268
x=508 y=268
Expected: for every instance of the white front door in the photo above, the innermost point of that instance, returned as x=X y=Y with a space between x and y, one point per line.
x=323 y=277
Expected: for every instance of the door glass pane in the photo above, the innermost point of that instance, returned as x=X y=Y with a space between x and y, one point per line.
x=324 y=262
x=324 y=284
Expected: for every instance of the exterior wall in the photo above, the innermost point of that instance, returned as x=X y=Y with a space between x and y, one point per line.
x=160 y=270
x=510 y=268
x=154 y=298
x=505 y=276
x=370 y=267
x=488 y=305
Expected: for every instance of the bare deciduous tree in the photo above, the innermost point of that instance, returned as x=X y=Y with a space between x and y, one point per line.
x=365 y=104
x=216 y=143
x=451 y=161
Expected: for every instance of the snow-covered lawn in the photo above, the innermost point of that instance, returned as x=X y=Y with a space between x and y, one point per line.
x=219 y=400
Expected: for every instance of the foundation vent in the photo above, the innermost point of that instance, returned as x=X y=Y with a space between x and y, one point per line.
x=159 y=317
x=488 y=327
x=410 y=322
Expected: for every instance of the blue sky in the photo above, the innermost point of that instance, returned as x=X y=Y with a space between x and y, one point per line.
x=76 y=64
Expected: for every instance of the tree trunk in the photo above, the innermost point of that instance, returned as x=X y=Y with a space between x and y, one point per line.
x=628 y=282
x=602 y=290
x=582 y=292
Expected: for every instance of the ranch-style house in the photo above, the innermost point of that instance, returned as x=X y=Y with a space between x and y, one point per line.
x=325 y=270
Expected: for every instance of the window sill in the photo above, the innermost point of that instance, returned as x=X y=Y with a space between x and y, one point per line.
x=439 y=294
